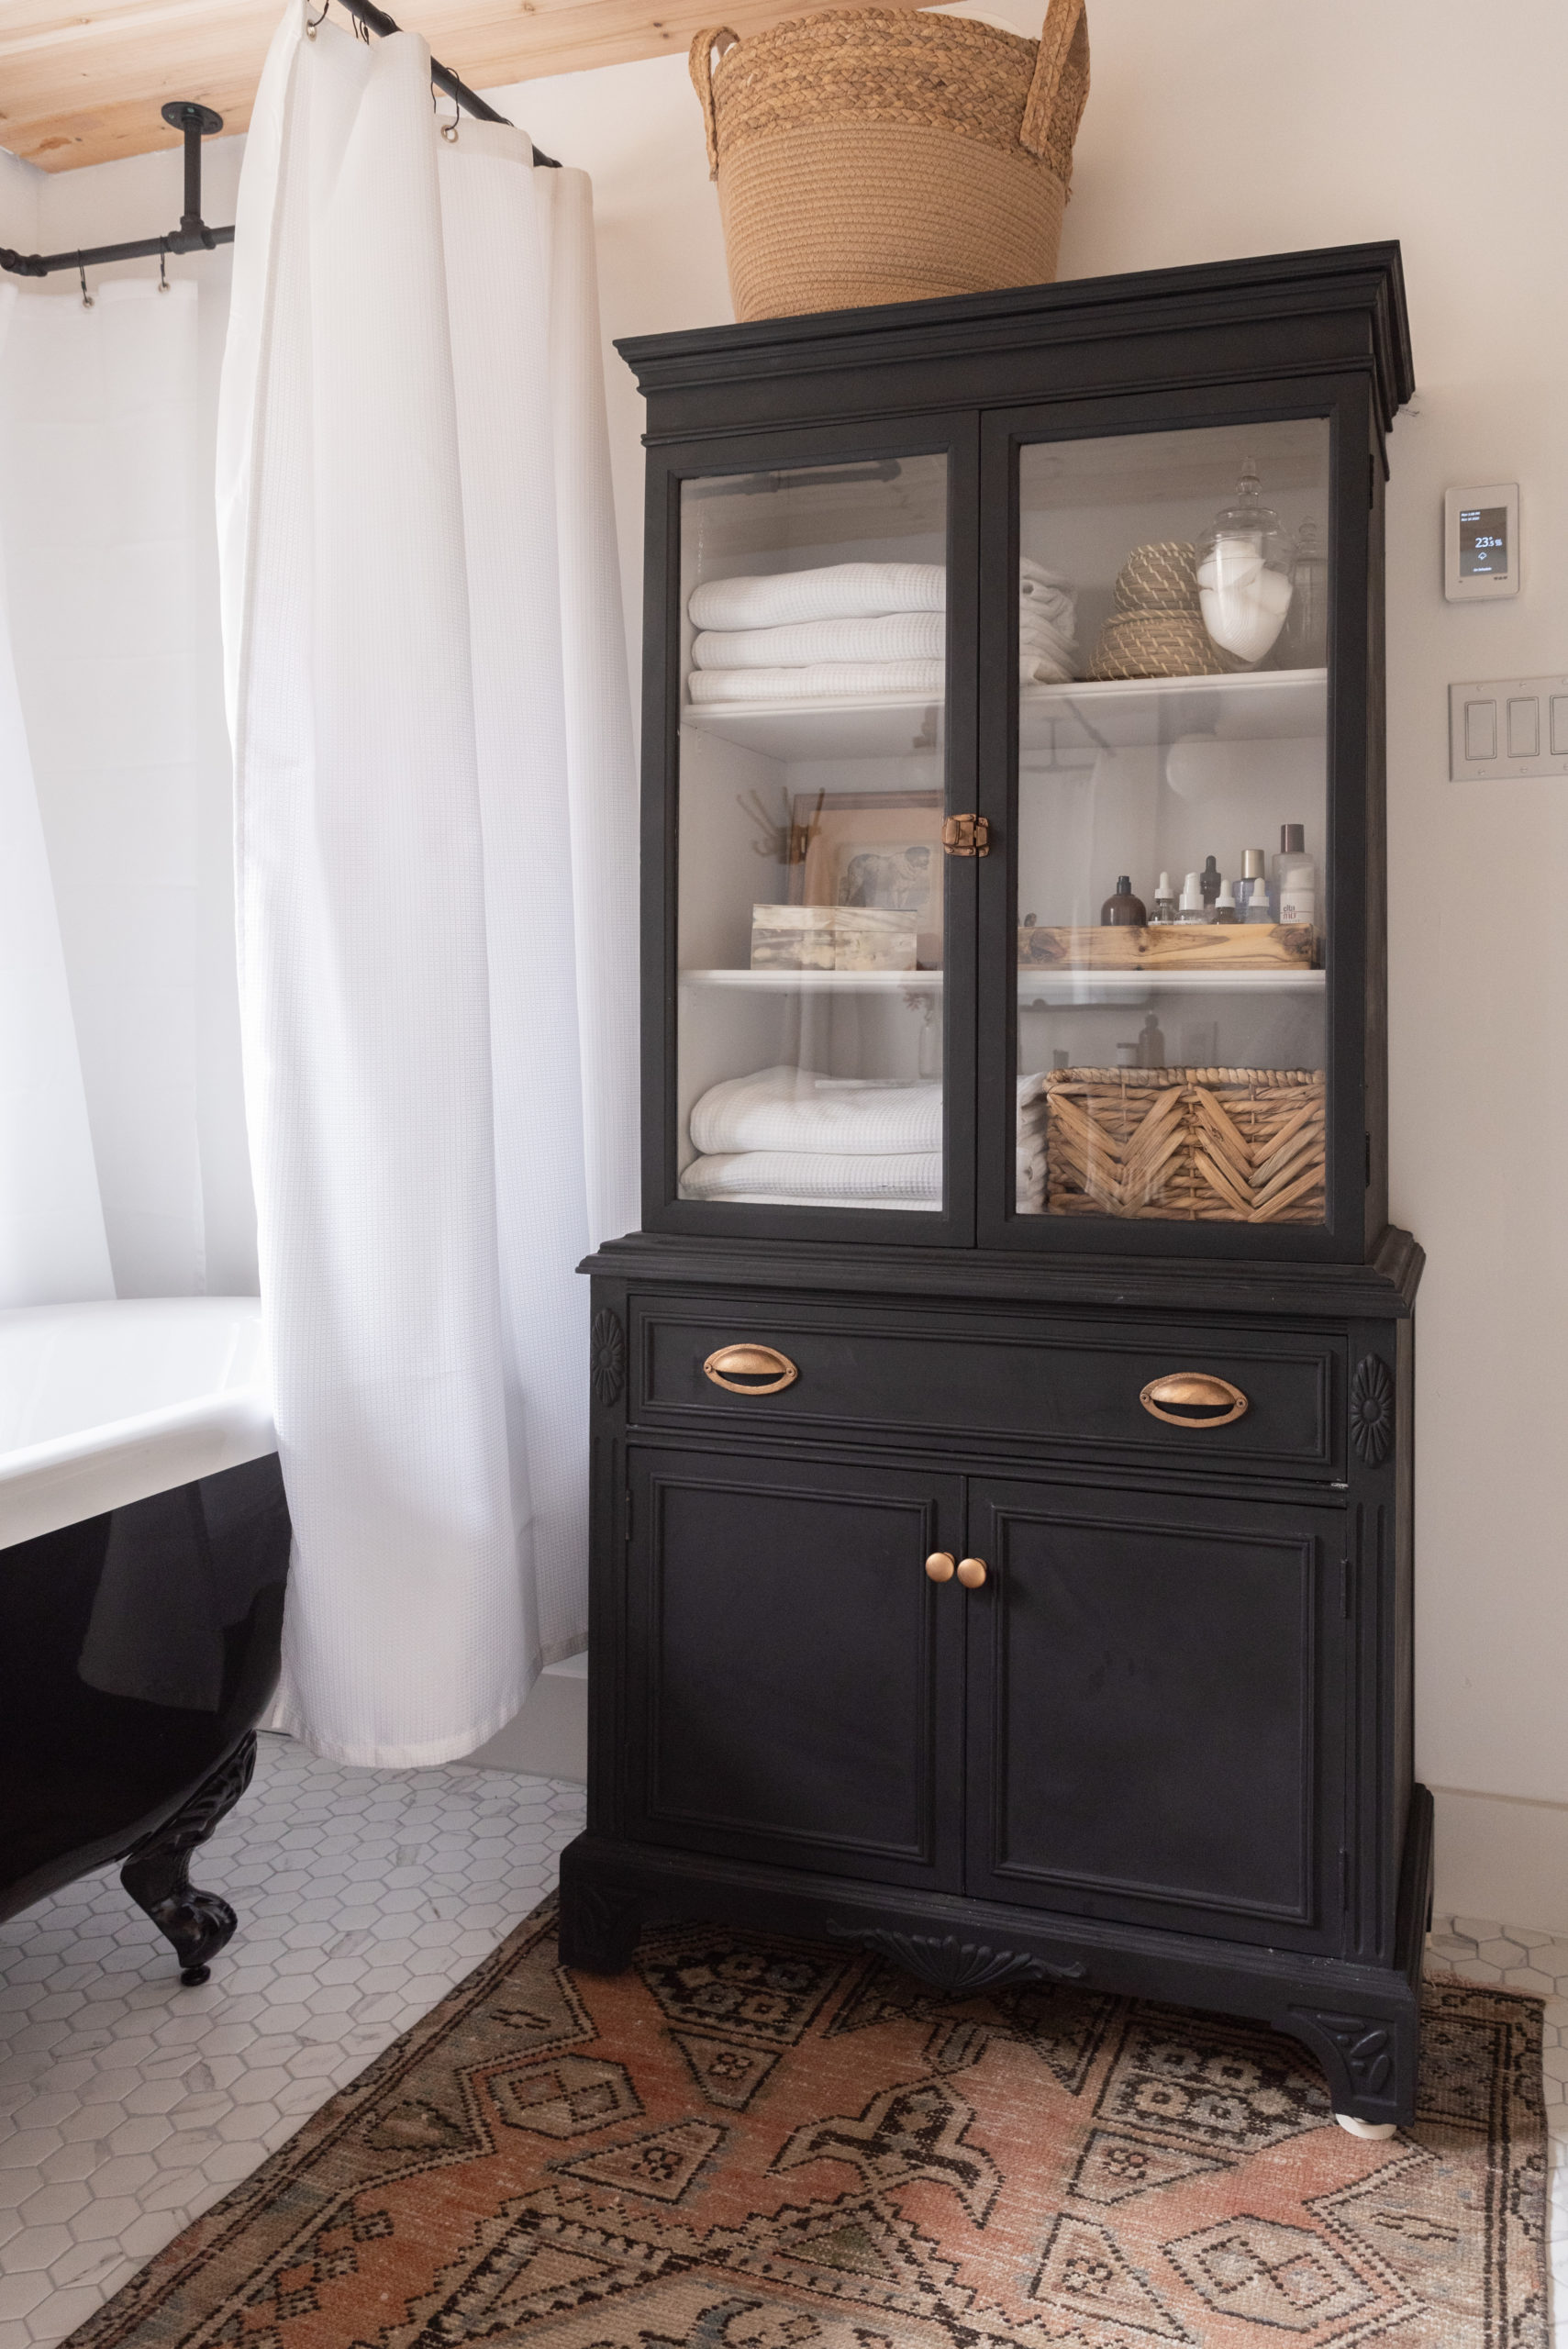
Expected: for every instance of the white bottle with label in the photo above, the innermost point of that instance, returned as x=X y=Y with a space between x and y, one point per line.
x=1295 y=878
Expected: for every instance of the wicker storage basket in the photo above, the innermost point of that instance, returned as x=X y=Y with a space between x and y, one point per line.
x=1189 y=1145
x=871 y=156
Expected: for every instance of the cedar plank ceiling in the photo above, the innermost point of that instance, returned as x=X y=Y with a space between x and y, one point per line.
x=83 y=84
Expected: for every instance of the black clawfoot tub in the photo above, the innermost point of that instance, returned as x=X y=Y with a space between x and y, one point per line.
x=144 y=1551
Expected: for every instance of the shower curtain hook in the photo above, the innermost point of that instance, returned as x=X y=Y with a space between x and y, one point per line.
x=81 y=273
x=312 y=22
x=449 y=129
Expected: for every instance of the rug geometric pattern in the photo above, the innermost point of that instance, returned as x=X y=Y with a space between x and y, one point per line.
x=746 y=2143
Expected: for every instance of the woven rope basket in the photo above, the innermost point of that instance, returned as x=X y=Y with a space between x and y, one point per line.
x=1152 y=644
x=1158 y=578
x=871 y=156
x=1190 y=1145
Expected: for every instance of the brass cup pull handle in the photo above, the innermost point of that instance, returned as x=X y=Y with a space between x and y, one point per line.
x=749 y=1370
x=941 y=1565
x=1191 y=1398
x=971 y=1573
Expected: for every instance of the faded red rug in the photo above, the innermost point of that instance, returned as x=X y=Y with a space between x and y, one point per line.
x=753 y=2143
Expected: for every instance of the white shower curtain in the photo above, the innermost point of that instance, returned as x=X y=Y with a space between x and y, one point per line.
x=430 y=710
x=122 y=1145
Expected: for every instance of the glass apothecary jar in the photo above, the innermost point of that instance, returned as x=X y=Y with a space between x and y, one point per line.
x=1245 y=560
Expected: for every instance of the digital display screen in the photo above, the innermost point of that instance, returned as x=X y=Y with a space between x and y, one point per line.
x=1483 y=541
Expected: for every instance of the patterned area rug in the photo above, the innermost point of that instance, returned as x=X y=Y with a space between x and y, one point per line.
x=751 y=2143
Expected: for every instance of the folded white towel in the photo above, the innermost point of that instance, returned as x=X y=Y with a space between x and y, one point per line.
x=794 y=1108
x=1047 y=594
x=897 y=636
x=847 y=591
x=818 y=1178
x=824 y=680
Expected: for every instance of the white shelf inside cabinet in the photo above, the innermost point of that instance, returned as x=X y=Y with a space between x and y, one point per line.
x=818 y=981
x=1121 y=986
x=1270 y=705
x=1122 y=713
x=1034 y=986
x=883 y=726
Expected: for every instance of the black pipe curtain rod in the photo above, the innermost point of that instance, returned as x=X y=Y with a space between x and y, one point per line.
x=199 y=122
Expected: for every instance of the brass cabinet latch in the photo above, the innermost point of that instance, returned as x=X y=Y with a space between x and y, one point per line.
x=967 y=836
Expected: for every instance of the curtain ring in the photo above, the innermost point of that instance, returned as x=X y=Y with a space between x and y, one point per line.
x=81 y=273
x=312 y=22
x=448 y=129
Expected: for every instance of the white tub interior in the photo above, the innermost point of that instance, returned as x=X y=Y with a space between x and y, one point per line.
x=66 y=1368
x=101 y=1405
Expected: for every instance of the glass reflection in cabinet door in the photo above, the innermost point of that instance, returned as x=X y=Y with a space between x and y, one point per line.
x=813 y=685
x=1172 y=892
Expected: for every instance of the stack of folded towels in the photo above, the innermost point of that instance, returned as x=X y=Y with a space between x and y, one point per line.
x=857 y=629
x=787 y=1137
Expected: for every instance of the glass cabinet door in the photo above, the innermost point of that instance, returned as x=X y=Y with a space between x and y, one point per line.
x=1172 y=885
x=813 y=667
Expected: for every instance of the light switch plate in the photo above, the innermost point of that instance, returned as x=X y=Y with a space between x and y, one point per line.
x=1509 y=728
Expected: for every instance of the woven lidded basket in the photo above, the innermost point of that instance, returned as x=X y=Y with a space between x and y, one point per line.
x=869 y=155
x=1193 y=1145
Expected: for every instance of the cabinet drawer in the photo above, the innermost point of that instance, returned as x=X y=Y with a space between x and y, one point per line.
x=1037 y=1384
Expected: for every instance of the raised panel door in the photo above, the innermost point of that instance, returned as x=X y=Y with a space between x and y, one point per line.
x=1155 y=1710
x=796 y=1683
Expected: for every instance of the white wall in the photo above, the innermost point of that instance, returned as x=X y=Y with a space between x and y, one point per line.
x=1215 y=128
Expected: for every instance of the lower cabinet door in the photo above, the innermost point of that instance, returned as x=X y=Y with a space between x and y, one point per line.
x=1156 y=1700
x=796 y=1682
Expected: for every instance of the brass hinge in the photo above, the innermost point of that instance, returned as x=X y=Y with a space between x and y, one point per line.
x=967 y=836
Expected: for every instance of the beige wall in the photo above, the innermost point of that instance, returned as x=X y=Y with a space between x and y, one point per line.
x=1218 y=128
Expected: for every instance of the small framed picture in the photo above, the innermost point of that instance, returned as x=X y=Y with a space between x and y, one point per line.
x=876 y=852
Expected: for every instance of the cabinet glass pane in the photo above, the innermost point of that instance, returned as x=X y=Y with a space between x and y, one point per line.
x=813 y=681
x=1172 y=892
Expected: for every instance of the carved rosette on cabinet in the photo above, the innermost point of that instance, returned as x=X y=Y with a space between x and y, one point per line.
x=1371 y=1411
x=608 y=1358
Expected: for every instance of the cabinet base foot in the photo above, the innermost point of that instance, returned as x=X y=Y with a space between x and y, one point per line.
x=598 y=1924
x=1376 y=2128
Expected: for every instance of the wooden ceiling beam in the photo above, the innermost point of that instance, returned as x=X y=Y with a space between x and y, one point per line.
x=83 y=84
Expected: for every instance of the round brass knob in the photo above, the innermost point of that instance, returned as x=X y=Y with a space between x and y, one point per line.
x=971 y=1573
x=939 y=1565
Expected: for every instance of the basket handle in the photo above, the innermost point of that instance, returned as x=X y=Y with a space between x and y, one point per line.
x=1063 y=55
x=701 y=63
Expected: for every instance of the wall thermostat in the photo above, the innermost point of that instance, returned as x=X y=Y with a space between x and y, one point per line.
x=1481 y=542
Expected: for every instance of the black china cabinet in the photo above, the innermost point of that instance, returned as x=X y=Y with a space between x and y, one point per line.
x=1003 y=1419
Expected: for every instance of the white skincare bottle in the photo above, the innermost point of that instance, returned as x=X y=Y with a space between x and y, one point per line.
x=1295 y=877
x=1164 y=901
x=1192 y=906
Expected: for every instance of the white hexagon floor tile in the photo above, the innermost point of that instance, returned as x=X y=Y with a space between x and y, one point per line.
x=128 y=2103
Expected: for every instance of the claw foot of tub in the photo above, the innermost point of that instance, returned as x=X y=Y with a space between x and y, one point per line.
x=156 y=1871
